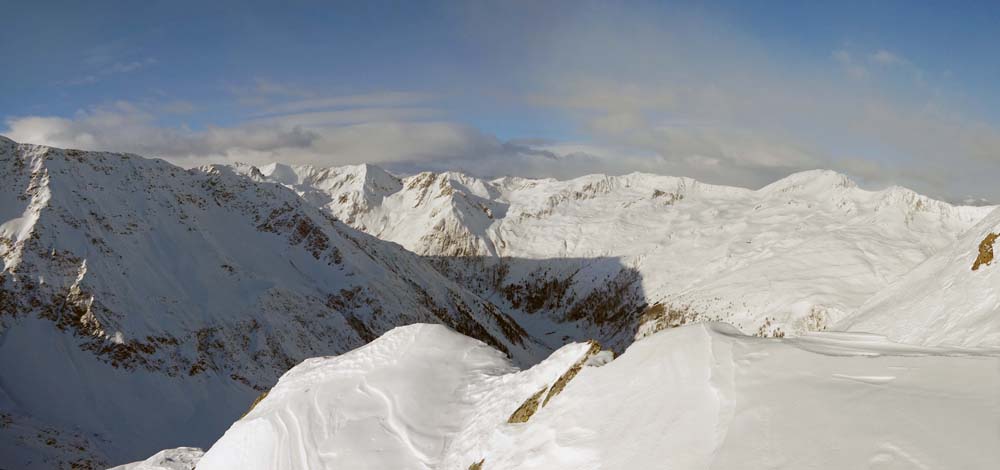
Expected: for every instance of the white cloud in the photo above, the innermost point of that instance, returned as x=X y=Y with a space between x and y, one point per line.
x=263 y=91
x=850 y=66
x=326 y=138
x=108 y=60
x=682 y=94
x=622 y=143
x=842 y=56
x=178 y=107
x=884 y=57
x=382 y=99
x=696 y=91
x=347 y=116
x=712 y=154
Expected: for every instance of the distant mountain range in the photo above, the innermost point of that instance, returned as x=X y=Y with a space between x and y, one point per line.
x=143 y=306
x=798 y=255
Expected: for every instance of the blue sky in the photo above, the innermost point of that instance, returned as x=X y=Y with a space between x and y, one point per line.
x=728 y=92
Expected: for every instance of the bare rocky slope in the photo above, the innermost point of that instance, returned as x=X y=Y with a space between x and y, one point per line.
x=131 y=287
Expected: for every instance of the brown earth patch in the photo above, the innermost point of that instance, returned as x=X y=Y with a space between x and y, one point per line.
x=667 y=316
x=528 y=408
x=564 y=379
x=985 y=251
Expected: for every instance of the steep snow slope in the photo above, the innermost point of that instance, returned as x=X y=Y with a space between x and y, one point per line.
x=430 y=214
x=592 y=252
x=952 y=298
x=399 y=402
x=696 y=397
x=134 y=288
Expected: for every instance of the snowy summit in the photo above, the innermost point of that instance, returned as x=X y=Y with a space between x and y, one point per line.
x=139 y=281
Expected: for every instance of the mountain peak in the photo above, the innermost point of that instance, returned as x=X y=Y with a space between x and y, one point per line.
x=194 y=289
x=811 y=180
x=378 y=180
x=369 y=179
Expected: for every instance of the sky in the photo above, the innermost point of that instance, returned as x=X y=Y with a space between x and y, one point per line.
x=739 y=93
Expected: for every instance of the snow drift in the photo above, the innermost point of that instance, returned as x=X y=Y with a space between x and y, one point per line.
x=699 y=396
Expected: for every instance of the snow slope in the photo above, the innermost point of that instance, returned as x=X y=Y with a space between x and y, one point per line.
x=130 y=287
x=430 y=214
x=795 y=256
x=695 y=397
x=133 y=288
x=181 y=458
x=398 y=402
x=953 y=298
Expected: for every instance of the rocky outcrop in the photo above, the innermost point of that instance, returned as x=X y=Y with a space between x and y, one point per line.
x=985 y=251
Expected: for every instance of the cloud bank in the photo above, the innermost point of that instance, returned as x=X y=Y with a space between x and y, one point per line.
x=677 y=92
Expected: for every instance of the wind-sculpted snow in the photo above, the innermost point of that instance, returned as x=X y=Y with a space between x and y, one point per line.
x=134 y=288
x=419 y=397
x=696 y=397
x=795 y=256
x=953 y=298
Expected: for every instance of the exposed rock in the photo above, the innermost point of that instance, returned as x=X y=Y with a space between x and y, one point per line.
x=524 y=412
x=564 y=379
x=985 y=252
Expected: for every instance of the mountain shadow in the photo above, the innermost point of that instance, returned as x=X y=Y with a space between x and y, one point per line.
x=557 y=300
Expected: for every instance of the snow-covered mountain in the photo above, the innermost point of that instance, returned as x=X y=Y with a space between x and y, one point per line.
x=695 y=397
x=952 y=298
x=142 y=305
x=430 y=214
x=605 y=253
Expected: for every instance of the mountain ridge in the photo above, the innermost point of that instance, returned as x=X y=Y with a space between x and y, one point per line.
x=127 y=281
x=736 y=243
x=133 y=279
